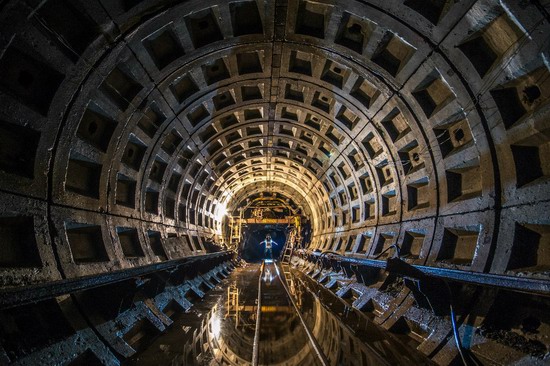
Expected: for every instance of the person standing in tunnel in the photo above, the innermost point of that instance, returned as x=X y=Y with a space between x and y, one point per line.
x=268 y=242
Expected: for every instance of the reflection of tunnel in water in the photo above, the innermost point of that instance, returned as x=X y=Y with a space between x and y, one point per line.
x=253 y=249
x=227 y=332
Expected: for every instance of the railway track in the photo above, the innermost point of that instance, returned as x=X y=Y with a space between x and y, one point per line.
x=271 y=275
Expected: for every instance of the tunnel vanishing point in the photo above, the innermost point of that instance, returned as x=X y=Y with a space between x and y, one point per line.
x=411 y=136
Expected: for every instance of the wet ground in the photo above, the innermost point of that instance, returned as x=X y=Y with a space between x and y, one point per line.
x=219 y=330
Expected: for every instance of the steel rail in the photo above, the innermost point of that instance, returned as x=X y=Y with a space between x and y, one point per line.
x=316 y=347
x=527 y=285
x=12 y=297
x=376 y=352
x=256 y=344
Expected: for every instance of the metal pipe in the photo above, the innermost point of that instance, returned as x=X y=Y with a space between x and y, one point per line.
x=395 y=265
x=35 y=293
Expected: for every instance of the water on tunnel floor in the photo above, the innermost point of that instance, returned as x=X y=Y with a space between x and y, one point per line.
x=219 y=330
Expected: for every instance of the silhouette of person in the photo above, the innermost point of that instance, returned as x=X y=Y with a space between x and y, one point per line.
x=268 y=242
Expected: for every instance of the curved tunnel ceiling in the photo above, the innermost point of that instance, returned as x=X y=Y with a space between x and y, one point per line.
x=386 y=121
x=379 y=118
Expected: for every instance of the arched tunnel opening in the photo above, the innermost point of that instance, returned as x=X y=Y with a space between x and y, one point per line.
x=397 y=152
x=254 y=237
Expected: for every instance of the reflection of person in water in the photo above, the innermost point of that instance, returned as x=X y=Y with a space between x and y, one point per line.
x=268 y=246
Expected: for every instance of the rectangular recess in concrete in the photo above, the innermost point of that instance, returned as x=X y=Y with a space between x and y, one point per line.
x=223 y=100
x=433 y=94
x=245 y=18
x=215 y=71
x=96 y=128
x=151 y=201
x=183 y=87
x=385 y=238
x=365 y=92
x=163 y=46
x=396 y=125
x=171 y=142
x=141 y=334
x=83 y=177
x=453 y=137
x=151 y=120
x=156 y=244
x=530 y=248
x=203 y=28
x=310 y=19
x=491 y=43
x=353 y=32
x=31 y=81
x=458 y=245
x=125 y=191
x=368 y=208
x=129 y=242
x=69 y=22
x=389 y=203
x=249 y=63
x=464 y=182
x=372 y=145
x=347 y=117
x=333 y=74
x=86 y=243
x=430 y=9
x=251 y=92
x=18 y=147
x=197 y=115
x=174 y=182
x=300 y=62
x=157 y=170
x=392 y=53
x=528 y=164
x=121 y=87
x=172 y=309
x=18 y=247
x=412 y=244
x=418 y=194
x=134 y=153
x=169 y=207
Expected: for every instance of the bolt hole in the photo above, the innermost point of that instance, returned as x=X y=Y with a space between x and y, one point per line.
x=25 y=78
x=459 y=134
x=324 y=99
x=337 y=70
x=355 y=29
x=203 y=24
x=92 y=128
x=416 y=157
x=130 y=153
x=531 y=94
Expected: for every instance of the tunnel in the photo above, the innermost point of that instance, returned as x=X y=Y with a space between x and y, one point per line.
x=397 y=151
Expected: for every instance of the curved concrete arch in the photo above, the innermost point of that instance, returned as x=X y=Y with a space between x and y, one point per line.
x=422 y=124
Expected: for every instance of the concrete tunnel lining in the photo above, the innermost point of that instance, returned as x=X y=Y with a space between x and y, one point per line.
x=128 y=129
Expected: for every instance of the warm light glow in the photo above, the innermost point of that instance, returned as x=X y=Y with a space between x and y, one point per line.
x=215 y=325
x=221 y=211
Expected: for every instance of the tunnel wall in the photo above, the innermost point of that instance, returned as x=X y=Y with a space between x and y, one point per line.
x=125 y=126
